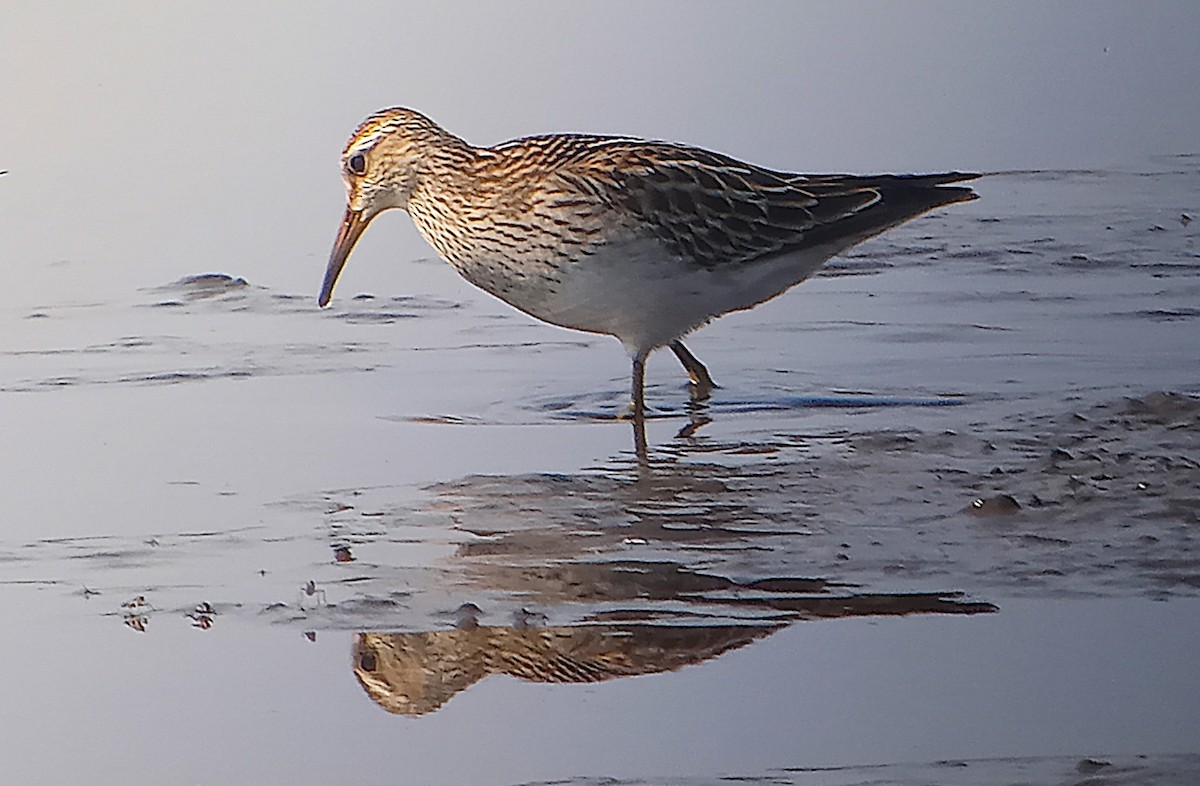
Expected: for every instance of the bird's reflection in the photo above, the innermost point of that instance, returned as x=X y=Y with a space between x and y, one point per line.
x=417 y=673
x=640 y=567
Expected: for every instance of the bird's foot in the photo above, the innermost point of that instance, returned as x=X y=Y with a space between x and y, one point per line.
x=701 y=389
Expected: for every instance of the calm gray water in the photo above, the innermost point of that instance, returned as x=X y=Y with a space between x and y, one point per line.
x=943 y=507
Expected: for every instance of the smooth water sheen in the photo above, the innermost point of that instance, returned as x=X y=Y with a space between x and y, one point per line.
x=942 y=510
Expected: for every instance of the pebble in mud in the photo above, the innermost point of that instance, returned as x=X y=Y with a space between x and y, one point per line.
x=137 y=622
x=1088 y=766
x=999 y=505
x=137 y=602
x=1058 y=454
x=202 y=616
x=311 y=590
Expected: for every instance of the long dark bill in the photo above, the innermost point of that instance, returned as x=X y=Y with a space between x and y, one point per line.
x=352 y=228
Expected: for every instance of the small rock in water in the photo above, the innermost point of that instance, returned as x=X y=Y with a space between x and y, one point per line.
x=212 y=281
x=1088 y=766
x=1185 y=219
x=1058 y=454
x=204 y=286
x=999 y=505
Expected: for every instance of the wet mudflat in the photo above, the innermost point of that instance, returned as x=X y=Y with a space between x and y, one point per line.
x=943 y=509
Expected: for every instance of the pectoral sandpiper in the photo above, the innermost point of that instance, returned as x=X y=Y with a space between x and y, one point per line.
x=645 y=241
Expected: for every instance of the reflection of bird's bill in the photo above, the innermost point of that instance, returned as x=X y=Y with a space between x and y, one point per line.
x=351 y=230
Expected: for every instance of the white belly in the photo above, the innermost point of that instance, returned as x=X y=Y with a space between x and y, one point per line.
x=646 y=298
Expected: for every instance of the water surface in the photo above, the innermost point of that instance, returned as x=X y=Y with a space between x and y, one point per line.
x=943 y=507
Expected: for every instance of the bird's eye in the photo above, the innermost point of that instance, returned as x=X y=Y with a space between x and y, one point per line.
x=357 y=164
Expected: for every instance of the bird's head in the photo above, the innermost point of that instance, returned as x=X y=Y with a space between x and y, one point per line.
x=381 y=166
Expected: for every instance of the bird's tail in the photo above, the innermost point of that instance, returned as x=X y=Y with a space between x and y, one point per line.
x=901 y=198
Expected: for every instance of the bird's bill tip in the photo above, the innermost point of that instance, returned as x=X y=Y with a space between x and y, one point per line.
x=352 y=228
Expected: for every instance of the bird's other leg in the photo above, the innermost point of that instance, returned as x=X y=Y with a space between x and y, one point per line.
x=702 y=384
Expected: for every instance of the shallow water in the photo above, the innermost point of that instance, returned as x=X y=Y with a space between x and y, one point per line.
x=943 y=507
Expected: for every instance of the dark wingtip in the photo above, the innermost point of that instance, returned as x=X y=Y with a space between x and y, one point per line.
x=930 y=180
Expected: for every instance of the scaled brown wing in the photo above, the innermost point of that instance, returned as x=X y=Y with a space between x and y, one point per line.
x=716 y=211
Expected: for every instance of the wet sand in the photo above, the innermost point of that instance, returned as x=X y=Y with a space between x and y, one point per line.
x=943 y=507
x=1171 y=770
